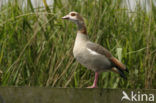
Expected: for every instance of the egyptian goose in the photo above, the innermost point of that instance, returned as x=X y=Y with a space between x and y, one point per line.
x=91 y=55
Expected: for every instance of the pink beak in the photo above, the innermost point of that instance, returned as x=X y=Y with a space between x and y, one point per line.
x=65 y=17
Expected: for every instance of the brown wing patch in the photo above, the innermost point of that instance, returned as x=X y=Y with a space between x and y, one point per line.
x=99 y=49
x=117 y=63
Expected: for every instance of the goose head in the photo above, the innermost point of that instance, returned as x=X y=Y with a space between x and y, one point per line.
x=76 y=18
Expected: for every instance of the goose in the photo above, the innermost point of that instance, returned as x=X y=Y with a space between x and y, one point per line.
x=91 y=55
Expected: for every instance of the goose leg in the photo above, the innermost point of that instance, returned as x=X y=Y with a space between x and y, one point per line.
x=95 y=81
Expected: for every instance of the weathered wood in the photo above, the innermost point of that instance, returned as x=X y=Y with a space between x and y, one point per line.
x=64 y=95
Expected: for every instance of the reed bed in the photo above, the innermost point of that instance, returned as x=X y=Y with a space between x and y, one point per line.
x=36 y=44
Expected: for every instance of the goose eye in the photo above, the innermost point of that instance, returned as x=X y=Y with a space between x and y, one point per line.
x=72 y=14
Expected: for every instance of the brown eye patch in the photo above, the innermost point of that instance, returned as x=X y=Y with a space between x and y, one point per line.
x=72 y=14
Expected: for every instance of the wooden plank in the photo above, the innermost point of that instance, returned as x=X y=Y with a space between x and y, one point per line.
x=66 y=95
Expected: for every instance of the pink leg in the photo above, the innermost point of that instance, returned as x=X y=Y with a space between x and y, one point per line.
x=95 y=81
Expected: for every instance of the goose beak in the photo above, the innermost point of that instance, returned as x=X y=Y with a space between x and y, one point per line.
x=66 y=17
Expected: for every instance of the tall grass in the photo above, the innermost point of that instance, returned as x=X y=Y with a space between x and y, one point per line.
x=36 y=45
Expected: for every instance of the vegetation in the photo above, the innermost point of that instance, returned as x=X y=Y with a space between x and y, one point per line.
x=36 y=44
